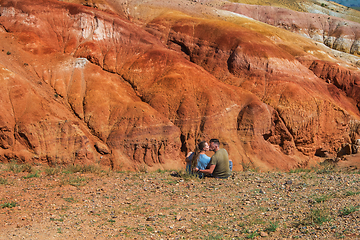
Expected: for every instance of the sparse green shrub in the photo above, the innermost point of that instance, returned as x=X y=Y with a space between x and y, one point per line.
x=188 y=176
x=27 y=168
x=14 y=167
x=149 y=228
x=32 y=175
x=323 y=198
x=252 y=235
x=171 y=182
x=91 y=169
x=160 y=171
x=82 y=169
x=348 y=210
x=214 y=236
x=57 y=220
x=79 y=181
x=74 y=181
x=3 y=181
x=299 y=170
x=317 y=216
x=272 y=226
x=70 y=200
x=8 y=205
x=351 y=193
x=248 y=166
x=143 y=168
x=50 y=171
x=72 y=169
x=326 y=168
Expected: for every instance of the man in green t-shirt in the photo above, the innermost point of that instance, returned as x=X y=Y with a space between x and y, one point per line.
x=219 y=163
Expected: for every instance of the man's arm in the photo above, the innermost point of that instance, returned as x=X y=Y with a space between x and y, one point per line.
x=210 y=170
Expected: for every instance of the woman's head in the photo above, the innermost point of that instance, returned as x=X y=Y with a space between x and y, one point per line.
x=203 y=146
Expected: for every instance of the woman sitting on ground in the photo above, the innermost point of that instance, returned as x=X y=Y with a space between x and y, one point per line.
x=198 y=158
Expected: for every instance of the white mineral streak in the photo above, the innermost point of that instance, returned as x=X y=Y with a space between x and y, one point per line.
x=7 y=12
x=88 y=25
x=80 y=62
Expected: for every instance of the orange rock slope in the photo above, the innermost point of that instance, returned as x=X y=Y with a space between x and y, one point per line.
x=85 y=86
x=335 y=32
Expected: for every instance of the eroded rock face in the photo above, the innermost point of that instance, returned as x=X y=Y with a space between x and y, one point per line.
x=304 y=104
x=334 y=32
x=35 y=126
x=114 y=121
x=344 y=79
x=85 y=86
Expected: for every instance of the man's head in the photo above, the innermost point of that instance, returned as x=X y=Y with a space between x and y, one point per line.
x=214 y=144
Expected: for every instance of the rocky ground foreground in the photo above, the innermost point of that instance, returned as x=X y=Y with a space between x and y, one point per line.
x=39 y=202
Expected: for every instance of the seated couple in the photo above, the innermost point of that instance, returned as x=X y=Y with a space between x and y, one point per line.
x=218 y=166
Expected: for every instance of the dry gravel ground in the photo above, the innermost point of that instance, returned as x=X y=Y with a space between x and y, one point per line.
x=86 y=203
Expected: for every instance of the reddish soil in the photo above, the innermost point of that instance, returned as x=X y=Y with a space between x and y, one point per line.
x=322 y=204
